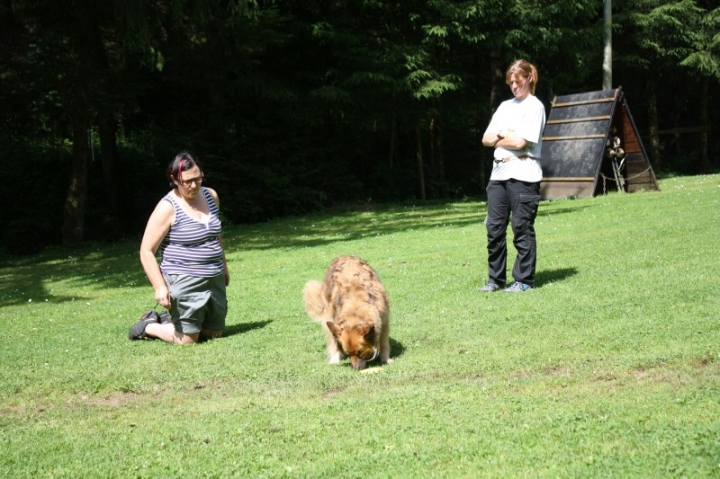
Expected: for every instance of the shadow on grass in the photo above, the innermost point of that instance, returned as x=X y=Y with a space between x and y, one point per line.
x=559 y=207
x=104 y=265
x=319 y=229
x=545 y=277
x=92 y=266
x=237 y=329
x=244 y=328
x=396 y=348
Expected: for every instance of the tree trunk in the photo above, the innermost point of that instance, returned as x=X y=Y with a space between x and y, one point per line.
x=431 y=145
x=678 y=100
x=420 y=162
x=114 y=172
x=498 y=79
x=393 y=138
x=73 y=228
x=437 y=163
x=704 y=165
x=439 y=148
x=653 y=121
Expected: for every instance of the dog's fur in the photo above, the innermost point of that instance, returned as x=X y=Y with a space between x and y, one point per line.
x=353 y=308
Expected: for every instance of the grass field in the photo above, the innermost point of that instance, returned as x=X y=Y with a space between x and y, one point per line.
x=609 y=368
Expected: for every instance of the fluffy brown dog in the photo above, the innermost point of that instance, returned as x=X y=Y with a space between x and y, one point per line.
x=353 y=308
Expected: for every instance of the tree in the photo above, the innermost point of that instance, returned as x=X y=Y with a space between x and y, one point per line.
x=92 y=55
x=296 y=105
x=662 y=37
x=704 y=62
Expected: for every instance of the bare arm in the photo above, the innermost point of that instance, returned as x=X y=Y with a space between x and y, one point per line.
x=225 y=266
x=157 y=227
x=490 y=139
x=505 y=139
x=215 y=198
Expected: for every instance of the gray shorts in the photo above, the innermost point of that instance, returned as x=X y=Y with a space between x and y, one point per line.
x=197 y=303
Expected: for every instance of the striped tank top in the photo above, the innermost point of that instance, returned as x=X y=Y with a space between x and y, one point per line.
x=191 y=246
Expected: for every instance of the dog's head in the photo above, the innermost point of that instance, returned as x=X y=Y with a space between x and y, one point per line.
x=358 y=342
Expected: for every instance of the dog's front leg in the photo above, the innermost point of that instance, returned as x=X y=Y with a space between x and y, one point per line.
x=334 y=351
x=385 y=345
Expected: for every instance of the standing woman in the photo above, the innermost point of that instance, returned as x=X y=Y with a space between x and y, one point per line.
x=192 y=276
x=515 y=131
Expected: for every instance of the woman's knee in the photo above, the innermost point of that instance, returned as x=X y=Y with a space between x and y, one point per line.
x=182 y=338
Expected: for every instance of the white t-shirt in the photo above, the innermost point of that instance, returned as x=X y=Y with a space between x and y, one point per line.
x=525 y=118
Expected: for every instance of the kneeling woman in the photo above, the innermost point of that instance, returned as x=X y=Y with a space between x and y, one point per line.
x=192 y=275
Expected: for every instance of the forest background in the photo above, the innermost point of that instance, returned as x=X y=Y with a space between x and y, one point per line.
x=298 y=105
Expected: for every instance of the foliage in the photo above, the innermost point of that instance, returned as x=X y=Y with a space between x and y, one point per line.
x=609 y=368
x=704 y=58
x=298 y=106
x=668 y=43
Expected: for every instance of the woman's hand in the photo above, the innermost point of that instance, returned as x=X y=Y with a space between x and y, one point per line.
x=510 y=140
x=162 y=296
x=505 y=134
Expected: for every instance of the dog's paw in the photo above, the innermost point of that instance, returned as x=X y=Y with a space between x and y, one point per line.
x=389 y=361
x=334 y=359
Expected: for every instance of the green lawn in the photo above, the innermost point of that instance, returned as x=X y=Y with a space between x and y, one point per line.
x=609 y=368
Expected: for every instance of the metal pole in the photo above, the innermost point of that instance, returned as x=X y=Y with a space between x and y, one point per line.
x=607 y=57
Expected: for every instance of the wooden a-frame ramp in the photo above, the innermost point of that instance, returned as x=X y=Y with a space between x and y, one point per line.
x=591 y=146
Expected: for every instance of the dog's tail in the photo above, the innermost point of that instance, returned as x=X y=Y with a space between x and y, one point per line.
x=314 y=301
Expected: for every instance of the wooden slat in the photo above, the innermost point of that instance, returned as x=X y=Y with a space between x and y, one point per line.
x=584 y=102
x=568 y=189
x=569 y=178
x=578 y=120
x=579 y=137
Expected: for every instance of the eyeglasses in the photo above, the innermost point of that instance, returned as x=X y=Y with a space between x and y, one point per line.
x=198 y=181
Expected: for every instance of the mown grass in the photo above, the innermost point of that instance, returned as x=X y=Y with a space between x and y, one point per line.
x=609 y=368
